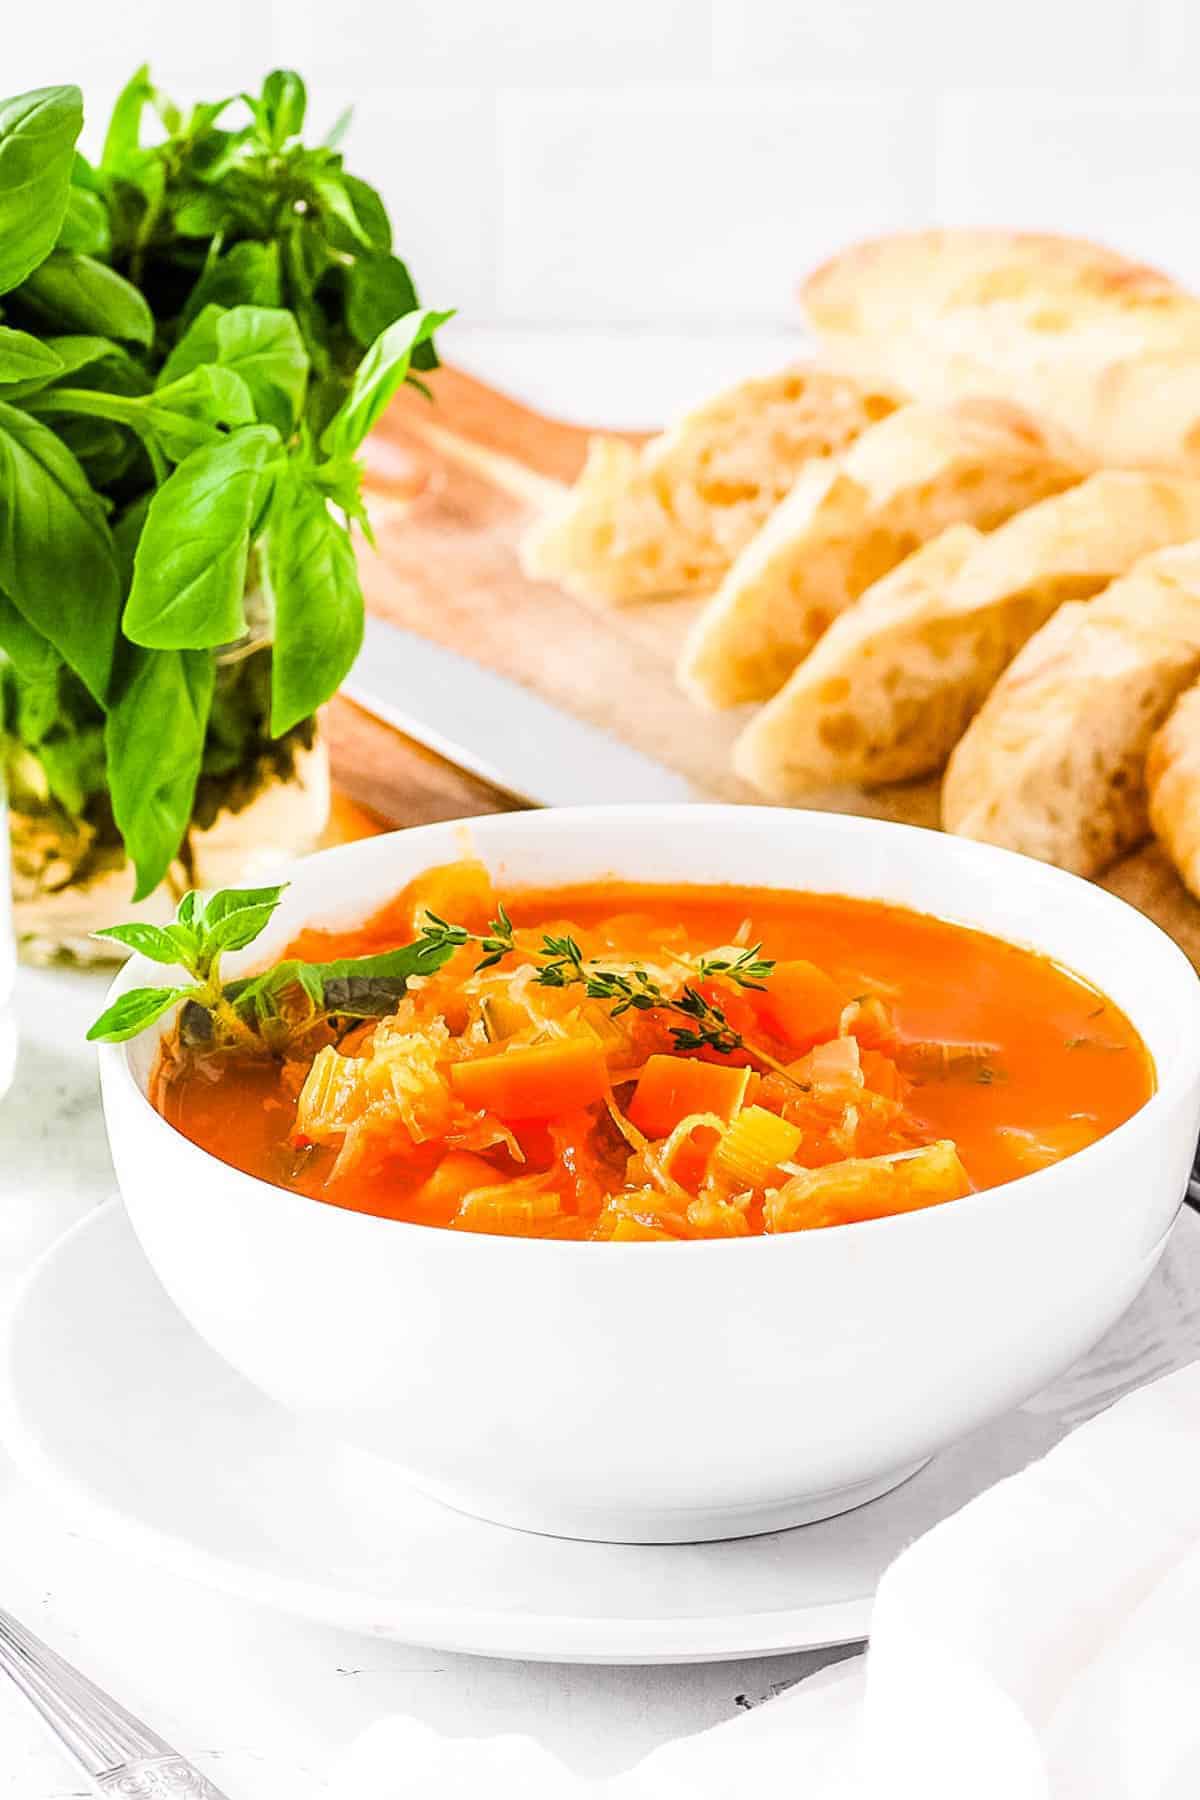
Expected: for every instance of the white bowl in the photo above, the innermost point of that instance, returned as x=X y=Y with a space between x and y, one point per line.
x=678 y=1392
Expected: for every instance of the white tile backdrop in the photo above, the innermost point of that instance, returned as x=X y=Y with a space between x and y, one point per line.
x=677 y=163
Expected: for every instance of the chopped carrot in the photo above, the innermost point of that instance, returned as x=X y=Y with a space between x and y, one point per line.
x=868 y=1019
x=633 y=1231
x=461 y=892
x=537 y=1081
x=882 y=1076
x=1037 y=1149
x=671 y=1088
x=801 y=1003
x=456 y=1174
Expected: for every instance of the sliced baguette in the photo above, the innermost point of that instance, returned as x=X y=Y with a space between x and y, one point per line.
x=874 y=289
x=1107 y=348
x=896 y=680
x=671 y=516
x=1173 y=786
x=848 y=522
x=1054 y=763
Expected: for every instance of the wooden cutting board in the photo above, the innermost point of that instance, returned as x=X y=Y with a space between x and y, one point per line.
x=451 y=489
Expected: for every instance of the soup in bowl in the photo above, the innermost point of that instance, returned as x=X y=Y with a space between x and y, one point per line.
x=705 y=1171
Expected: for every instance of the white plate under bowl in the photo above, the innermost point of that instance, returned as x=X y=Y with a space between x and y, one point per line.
x=154 y=1444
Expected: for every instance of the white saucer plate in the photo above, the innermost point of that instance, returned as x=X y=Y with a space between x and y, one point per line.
x=151 y=1443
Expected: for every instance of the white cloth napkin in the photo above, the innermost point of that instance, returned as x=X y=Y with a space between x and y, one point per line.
x=1041 y=1644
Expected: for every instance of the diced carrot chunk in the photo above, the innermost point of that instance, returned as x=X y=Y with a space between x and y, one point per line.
x=461 y=892
x=536 y=1081
x=631 y=1231
x=671 y=1088
x=1032 y=1150
x=801 y=1003
x=882 y=1076
x=868 y=1019
x=457 y=1174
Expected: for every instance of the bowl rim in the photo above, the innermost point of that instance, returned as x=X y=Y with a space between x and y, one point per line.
x=1171 y=1084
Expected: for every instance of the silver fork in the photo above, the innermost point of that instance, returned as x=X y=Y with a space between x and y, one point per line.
x=118 y=1754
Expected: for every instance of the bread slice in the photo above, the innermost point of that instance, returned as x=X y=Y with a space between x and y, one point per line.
x=1107 y=348
x=1054 y=764
x=671 y=516
x=1173 y=786
x=848 y=522
x=884 y=285
x=896 y=680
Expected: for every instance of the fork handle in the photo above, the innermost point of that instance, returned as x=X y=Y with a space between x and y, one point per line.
x=120 y=1755
x=157 y=1778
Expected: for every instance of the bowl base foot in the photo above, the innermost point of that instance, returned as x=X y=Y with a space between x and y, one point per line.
x=674 y=1525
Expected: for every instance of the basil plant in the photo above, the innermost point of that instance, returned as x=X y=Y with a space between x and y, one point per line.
x=197 y=332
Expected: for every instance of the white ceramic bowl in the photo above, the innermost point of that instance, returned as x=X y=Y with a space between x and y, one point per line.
x=661 y=1392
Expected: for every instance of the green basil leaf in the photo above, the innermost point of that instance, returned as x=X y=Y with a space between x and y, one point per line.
x=73 y=764
x=203 y=214
x=126 y=535
x=57 y=561
x=133 y=1012
x=382 y=371
x=246 y=275
x=37 y=149
x=86 y=295
x=103 y=449
x=154 y=739
x=313 y=582
x=26 y=358
x=32 y=655
x=37 y=665
x=204 y=116
x=122 y=141
x=335 y=203
x=189 y=573
x=355 y=987
x=37 y=713
x=227 y=901
x=85 y=225
x=378 y=290
x=197 y=345
x=72 y=353
x=83 y=175
x=152 y=941
x=263 y=345
x=185 y=912
x=280 y=112
x=188 y=414
x=371 y=213
x=238 y=929
x=339 y=128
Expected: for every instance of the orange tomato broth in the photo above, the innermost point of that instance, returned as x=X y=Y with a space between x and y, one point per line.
x=909 y=1032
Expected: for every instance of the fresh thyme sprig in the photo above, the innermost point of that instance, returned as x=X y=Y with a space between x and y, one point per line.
x=561 y=963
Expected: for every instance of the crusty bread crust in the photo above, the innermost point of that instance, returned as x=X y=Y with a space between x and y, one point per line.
x=670 y=517
x=1173 y=786
x=896 y=680
x=1108 y=348
x=848 y=522
x=876 y=285
x=1054 y=763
